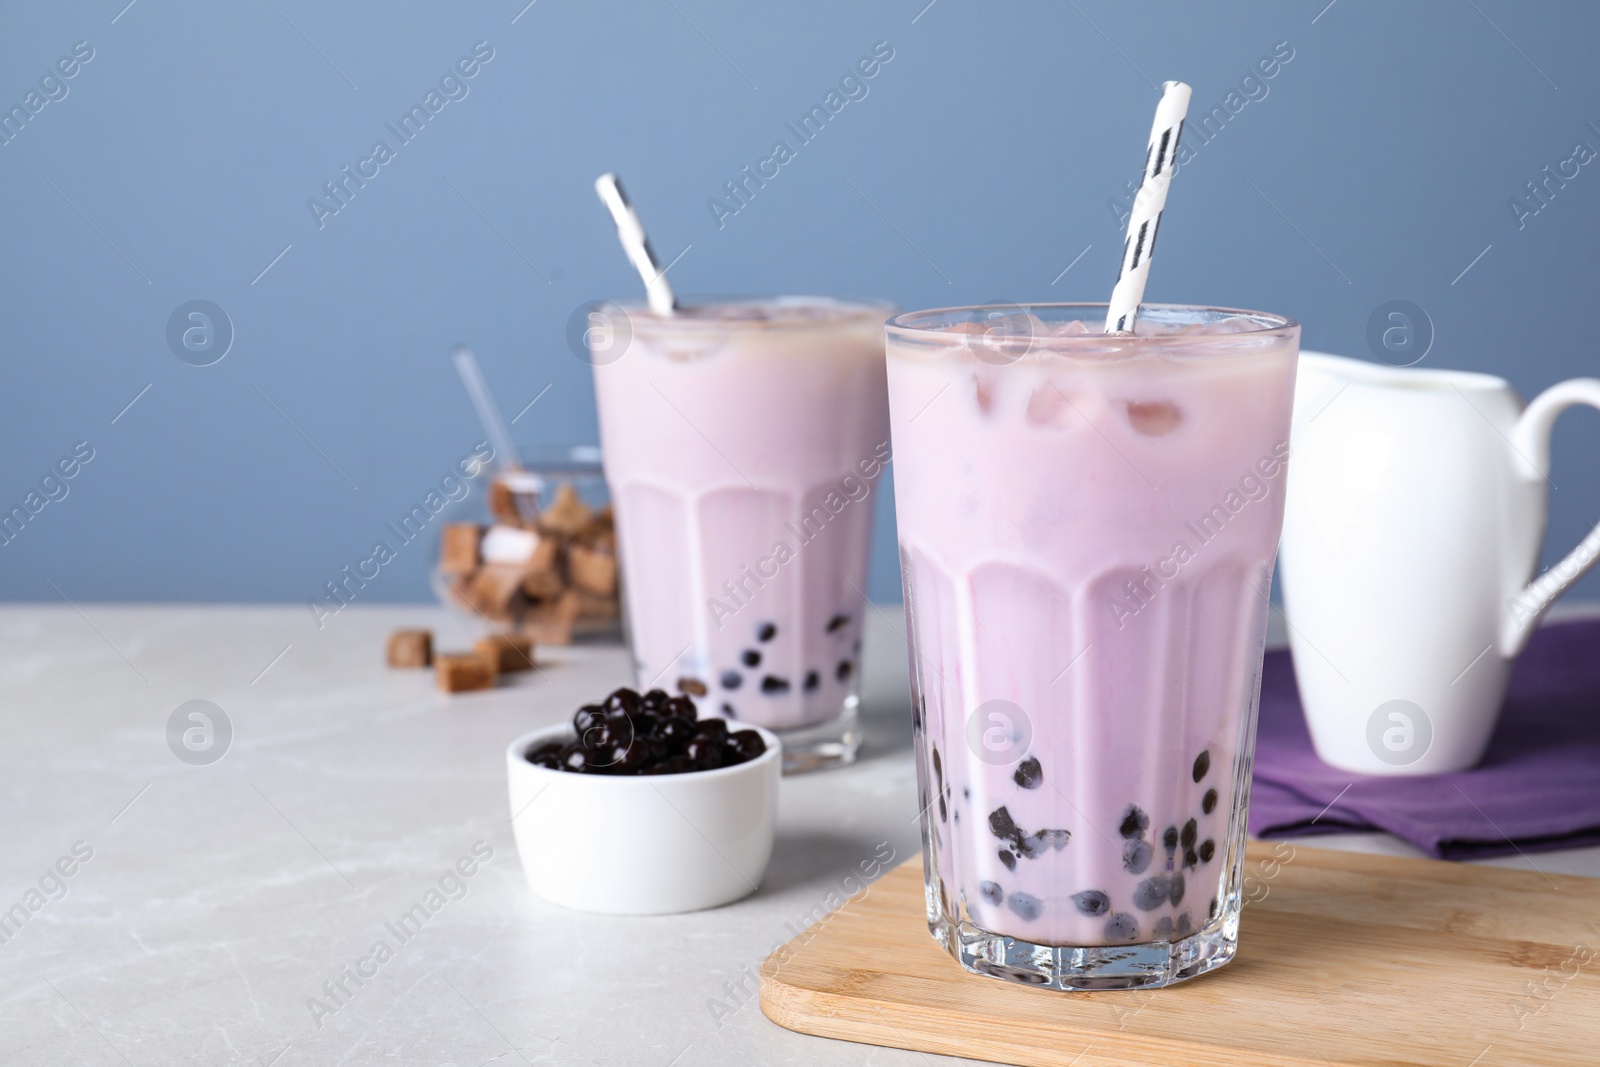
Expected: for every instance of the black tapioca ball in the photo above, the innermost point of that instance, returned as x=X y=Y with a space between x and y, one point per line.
x=766 y=632
x=1212 y=914
x=1026 y=907
x=1169 y=840
x=750 y=657
x=1134 y=822
x=991 y=892
x=1185 y=925
x=1029 y=775
x=587 y=718
x=1008 y=859
x=1092 y=902
x=966 y=793
x=773 y=684
x=1202 y=764
x=1136 y=855
x=1122 y=927
x=811 y=682
x=944 y=814
x=731 y=679
x=748 y=743
x=1175 y=888
x=1208 y=803
x=1190 y=859
x=1162 y=930
x=1002 y=825
x=1191 y=831
x=842 y=672
x=715 y=729
x=938 y=768
x=837 y=623
x=728 y=712
x=1208 y=848
x=1151 y=893
x=1056 y=839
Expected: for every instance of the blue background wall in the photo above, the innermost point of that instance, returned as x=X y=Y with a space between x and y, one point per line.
x=1377 y=166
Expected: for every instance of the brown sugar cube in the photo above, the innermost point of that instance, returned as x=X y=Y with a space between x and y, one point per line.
x=550 y=622
x=410 y=648
x=459 y=672
x=494 y=587
x=593 y=608
x=458 y=547
x=567 y=513
x=592 y=571
x=508 y=652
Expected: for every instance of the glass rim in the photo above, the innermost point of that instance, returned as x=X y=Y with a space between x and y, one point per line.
x=908 y=324
x=852 y=311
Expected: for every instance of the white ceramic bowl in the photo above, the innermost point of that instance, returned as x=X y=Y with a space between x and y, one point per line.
x=643 y=844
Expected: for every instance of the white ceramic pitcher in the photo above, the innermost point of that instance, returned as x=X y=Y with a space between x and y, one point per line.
x=1415 y=513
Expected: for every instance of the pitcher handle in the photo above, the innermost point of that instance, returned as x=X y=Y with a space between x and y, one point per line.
x=1531 y=439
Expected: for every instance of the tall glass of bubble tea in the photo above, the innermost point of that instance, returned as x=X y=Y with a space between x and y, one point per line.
x=1088 y=525
x=744 y=441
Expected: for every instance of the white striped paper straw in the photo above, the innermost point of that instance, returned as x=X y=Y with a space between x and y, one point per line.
x=1145 y=219
x=634 y=242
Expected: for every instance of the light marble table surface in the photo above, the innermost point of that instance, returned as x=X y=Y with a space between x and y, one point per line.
x=216 y=901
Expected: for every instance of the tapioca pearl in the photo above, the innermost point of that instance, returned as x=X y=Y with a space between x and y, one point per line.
x=1190 y=859
x=1134 y=822
x=1136 y=855
x=844 y=670
x=728 y=712
x=1029 y=775
x=991 y=892
x=1025 y=906
x=1191 y=831
x=938 y=768
x=1162 y=930
x=750 y=657
x=944 y=813
x=966 y=793
x=766 y=632
x=811 y=681
x=837 y=623
x=1008 y=859
x=1208 y=848
x=731 y=679
x=1169 y=840
x=1208 y=802
x=1002 y=825
x=772 y=684
x=1122 y=927
x=1202 y=764
x=1055 y=839
x=1185 y=925
x=1151 y=893
x=1092 y=902
x=1175 y=887
x=1212 y=914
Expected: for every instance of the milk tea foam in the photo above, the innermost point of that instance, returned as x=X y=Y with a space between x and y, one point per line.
x=743 y=444
x=1087 y=530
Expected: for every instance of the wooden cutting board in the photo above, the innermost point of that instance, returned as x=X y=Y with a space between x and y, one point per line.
x=1346 y=960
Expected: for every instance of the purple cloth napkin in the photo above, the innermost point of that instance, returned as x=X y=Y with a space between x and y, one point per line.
x=1537 y=789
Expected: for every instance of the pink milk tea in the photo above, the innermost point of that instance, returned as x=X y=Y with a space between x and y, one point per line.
x=1087 y=528
x=743 y=444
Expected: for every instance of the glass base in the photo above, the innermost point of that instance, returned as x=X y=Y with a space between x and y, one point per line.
x=1088 y=969
x=826 y=744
